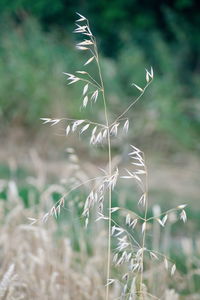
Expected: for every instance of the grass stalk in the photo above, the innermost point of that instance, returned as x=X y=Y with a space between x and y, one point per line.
x=129 y=250
x=141 y=294
x=109 y=173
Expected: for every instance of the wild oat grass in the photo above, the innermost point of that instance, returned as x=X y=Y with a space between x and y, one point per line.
x=130 y=250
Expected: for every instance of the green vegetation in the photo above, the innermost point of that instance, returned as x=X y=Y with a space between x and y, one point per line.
x=36 y=48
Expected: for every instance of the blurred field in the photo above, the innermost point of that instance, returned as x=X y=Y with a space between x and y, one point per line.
x=69 y=256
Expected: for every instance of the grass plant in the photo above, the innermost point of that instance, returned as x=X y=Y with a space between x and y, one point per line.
x=130 y=250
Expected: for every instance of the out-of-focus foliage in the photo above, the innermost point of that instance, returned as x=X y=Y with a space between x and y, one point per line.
x=31 y=73
x=119 y=20
x=132 y=35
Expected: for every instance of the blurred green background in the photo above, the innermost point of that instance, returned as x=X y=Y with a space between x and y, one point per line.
x=37 y=45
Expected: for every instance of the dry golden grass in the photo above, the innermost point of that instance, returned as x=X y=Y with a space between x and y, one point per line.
x=41 y=262
x=38 y=264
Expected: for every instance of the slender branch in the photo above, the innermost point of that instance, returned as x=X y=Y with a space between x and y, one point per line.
x=141 y=296
x=128 y=233
x=76 y=187
x=85 y=121
x=88 y=81
x=131 y=213
x=160 y=254
x=94 y=81
x=109 y=171
x=164 y=213
x=132 y=104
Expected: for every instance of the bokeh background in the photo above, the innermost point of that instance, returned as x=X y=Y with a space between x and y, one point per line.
x=36 y=46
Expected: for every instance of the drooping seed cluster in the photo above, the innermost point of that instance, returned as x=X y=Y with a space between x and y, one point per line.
x=129 y=251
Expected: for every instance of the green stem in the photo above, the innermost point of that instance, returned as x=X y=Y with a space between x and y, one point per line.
x=110 y=173
x=132 y=103
x=109 y=220
x=141 y=295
